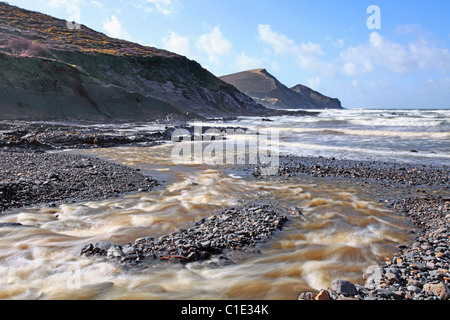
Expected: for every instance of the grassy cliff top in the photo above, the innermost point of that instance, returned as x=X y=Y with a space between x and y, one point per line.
x=58 y=34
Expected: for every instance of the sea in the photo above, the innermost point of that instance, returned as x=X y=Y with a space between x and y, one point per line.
x=411 y=136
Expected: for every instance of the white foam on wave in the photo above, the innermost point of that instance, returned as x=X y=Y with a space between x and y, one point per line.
x=370 y=133
x=313 y=149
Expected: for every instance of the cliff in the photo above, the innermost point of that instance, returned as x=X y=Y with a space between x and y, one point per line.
x=50 y=71
x=265 y=89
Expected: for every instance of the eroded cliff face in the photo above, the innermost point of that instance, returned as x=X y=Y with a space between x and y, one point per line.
x=265 y=89
x=50 y=71
x=316 y=98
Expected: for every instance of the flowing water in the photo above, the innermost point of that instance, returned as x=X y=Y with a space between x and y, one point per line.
x=345 y=228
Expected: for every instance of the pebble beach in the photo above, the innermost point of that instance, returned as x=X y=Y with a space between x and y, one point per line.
x=31 y=176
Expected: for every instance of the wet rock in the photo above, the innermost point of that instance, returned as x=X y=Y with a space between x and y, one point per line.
x=98 y=248
x=373 y=277
x=413 y=289
x=102 y=245
x=114 y=251
x=440 y=290
x=385 y=293
x=417 y=265
x=391 y=277
x=204 y=246
x=322 y=295
x=53 y=175
x=344 y=287
x=347 y=299
x=307 y=296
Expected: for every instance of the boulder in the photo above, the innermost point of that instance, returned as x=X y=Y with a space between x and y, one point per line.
x=344 y=287
x=440 y=290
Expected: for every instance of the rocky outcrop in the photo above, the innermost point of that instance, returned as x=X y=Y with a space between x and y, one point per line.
x=265 y=89
x=316 y=98
x=51 y=71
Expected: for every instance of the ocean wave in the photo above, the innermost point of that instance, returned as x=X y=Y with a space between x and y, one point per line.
x=369 y=133
x=306 y=149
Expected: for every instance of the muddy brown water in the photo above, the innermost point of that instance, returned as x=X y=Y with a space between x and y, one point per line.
x=343 y=231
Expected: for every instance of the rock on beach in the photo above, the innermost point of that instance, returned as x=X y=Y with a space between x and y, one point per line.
x=242 y=229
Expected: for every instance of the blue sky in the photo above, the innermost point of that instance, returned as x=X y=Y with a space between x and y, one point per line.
x=328 y=45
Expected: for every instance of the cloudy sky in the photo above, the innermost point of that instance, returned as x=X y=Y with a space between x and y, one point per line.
x=369 y=54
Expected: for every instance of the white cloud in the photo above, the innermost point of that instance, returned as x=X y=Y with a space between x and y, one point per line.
x=177 y=44
x=283 y=45
x=367 y=86
x=72 y=7
x=314 y=83
x=56 y=3
x=377 y=52
x=97 y=4
x=426 y=56
x=414 y=29
x=214 y=44
x=309 y=56
x=394 y=57
x=339 y=43
x=59 y=3
x=165 y=7
x=114 y=28
x=279 y=42
x=275 y=66
x=244 y=62
x=349 y=68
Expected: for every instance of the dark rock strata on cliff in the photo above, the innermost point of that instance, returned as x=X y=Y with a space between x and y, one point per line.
x=50 y=71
